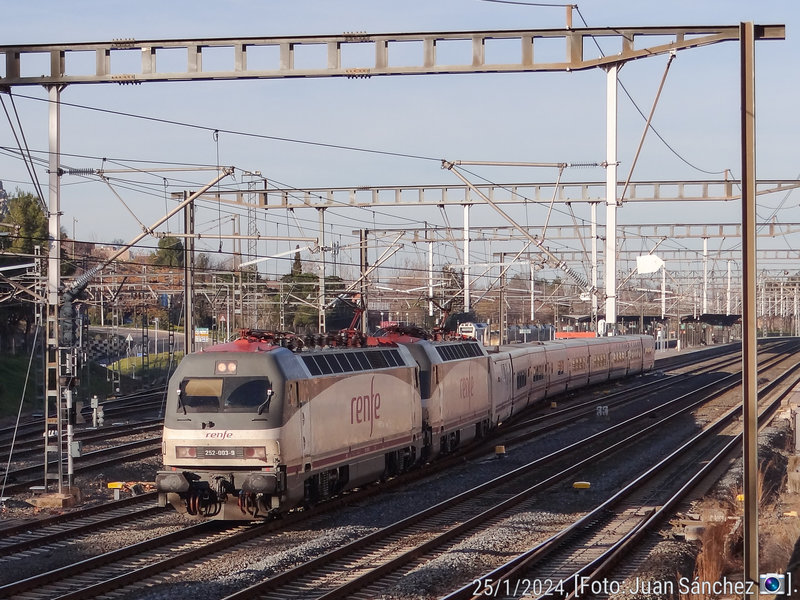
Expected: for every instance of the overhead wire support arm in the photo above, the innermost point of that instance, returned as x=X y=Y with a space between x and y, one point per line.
x=387 y=254
x=561 y=264
x=647 y=126
x=84 y=279
x=105 y=180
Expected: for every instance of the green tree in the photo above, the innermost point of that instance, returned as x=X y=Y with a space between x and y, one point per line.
x=297 y=265
x=26 y=214
x=169 y=253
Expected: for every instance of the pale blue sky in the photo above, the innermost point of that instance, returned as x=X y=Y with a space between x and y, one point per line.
x=513 y=117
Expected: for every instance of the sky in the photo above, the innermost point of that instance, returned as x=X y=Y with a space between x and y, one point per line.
x=538 y=117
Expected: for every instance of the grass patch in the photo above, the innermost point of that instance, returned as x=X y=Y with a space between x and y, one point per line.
x=158 y=366
x=96 y=380
x=12 y=382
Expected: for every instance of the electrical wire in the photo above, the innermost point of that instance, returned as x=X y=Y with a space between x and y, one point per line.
x=19 y=412
x=639 y=110
x=239 y=133
x=539 y=4
x=27 y=159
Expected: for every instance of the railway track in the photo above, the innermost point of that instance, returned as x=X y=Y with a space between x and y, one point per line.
x=371 y=563
x=209 y=548
x=21 y=479
x=42 y=534
x=599 y=539
x=390 y=546
x=28 y=448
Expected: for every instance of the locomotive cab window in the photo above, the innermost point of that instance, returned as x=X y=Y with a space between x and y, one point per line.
x=233 y=394
x=246 y=394
x=199 y=395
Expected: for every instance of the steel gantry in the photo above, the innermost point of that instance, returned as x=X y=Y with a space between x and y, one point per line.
x=479 y=56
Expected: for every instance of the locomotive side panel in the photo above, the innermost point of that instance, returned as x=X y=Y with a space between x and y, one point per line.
x=342 y=417
x=359 y=419
x=461 y=394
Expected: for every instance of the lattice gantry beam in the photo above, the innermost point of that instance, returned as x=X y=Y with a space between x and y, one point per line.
x=351 y=54
x=505 y=193
x=580 y=231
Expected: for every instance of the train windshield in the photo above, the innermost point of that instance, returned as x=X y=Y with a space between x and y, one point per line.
x=231 y=394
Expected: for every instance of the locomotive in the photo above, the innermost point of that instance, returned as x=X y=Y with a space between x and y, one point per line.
x=259 y=425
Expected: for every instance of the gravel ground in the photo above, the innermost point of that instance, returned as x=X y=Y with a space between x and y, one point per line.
x=672 y=556
x=468 y=558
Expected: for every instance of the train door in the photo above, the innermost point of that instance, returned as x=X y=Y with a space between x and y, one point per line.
x=502 y=393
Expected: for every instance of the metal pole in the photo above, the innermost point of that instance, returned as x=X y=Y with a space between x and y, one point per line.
x=430 y=272
x=502 y=296
x=70 y=434
x=321 y=302
x=705 y=275
x=466 y=258
x=364 y=234
x=611 y=199
x=533 y=291
x=53 y=387
x=728 y=304
x=593 y=208
x=749 y=349
x=188 y=274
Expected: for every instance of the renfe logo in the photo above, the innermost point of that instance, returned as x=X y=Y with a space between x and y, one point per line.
x=366 y=408
x=218 y=435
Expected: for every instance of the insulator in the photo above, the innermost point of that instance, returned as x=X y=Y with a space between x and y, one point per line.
x=584 y=165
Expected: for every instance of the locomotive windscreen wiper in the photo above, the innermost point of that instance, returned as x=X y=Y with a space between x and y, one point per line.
x=181 y=404
x=266 y=402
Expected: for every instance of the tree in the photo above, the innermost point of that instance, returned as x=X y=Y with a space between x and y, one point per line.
x=297 y=265
x=30 y=229
x=170 y=252
x=25 y=212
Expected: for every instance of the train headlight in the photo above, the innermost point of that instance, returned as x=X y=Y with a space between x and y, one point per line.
x=226 y=366
x=185 y=452
x=255 y=452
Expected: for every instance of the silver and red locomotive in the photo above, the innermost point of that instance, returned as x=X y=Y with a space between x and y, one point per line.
x=256 y=425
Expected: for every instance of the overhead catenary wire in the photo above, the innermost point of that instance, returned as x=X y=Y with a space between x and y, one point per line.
x=373 y=211
x=25 y=153
x=639 y=110
x=647 y=126
x=249 y=134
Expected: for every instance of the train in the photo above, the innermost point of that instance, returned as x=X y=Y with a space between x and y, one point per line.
x=259 y=425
